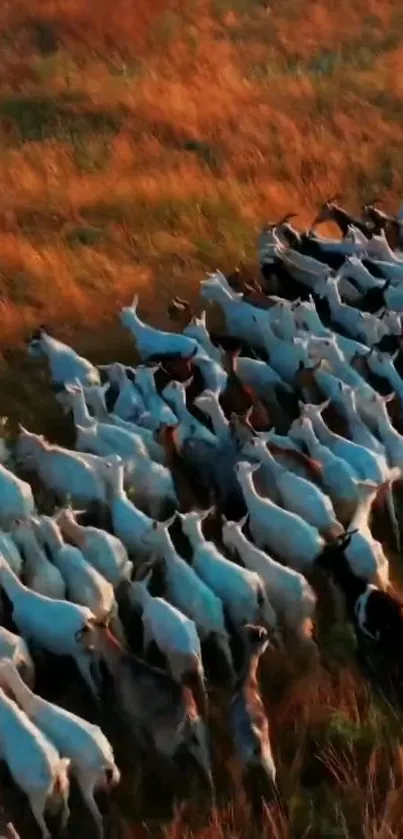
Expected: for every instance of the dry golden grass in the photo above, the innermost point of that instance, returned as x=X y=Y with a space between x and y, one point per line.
x=142 y=143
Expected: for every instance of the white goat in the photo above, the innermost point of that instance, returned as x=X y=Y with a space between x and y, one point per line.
x=85 y=585
x=14 y=648
x=16 y=498
x=175 y=395
x=104 y=551
x=209 y=405
x=239 y=315
x=155 y=405
x=63 y=472
x=10 y=552
x=338 y=477
x=128 y=522
x=363 y=326
x=307 y=318
x=64 y=363
x=297 y=494
x=51 y=624
x=289 y=592
x=365 y=554
x=129 y=404
x=174 y=634
x=155 y=342
x=41 y=576
x=88 y=751
x=34 y=763
x=188 y=592
x=102 y=438
x=382 y=364
x=287 y=535
x=240 y=590
x=197 y=329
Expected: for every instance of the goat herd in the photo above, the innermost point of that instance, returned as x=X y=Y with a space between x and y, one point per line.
x=219 y=484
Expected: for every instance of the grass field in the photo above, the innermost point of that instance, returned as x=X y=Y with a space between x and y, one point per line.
x=141 y=144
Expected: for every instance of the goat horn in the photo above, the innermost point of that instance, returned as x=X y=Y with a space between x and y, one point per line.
x=192 y=354
x=286 y=218
x=181 y=302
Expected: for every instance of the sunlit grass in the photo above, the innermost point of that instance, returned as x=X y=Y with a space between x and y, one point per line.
x=142 y=144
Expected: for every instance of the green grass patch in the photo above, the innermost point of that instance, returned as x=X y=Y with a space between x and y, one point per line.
x=39 y=118
x=87 y=236
x=22 y=288
x=45 y=36
x=58 y=63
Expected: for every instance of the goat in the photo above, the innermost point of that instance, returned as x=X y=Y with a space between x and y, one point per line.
x=289 y=592
x=89 y=753
x=34 y=763
x=63 y=472
x=241 y=591
x=175 y=636
x=152 y=342
x=160 y=713
x=51 y=624
x=104 y=551
x=248 y=722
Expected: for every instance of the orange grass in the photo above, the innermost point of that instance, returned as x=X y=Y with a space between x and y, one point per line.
x=142 y=143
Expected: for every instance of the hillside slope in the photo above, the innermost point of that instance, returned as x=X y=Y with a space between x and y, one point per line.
x=143 y=142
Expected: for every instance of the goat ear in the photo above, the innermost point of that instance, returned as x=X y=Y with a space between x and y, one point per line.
x=248 y=415
x=203 y=317
x=388 y=397
x=182 y=302
x=76 y=513
x=148 y=577
x=169 y=522
x=243 y=520
x=322 y=407
x=192 y=354
x=206 y=513
x=187 y=382
x=345 y=538
x=70 y=388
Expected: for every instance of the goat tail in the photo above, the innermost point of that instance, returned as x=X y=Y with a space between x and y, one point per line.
x=59 y=792
x=194 y=680
x=112 y=775
x=62 y=781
